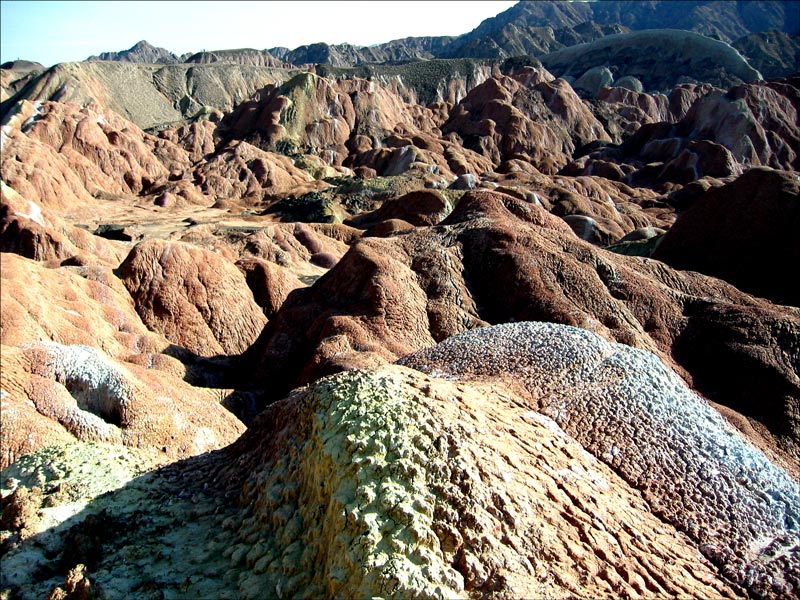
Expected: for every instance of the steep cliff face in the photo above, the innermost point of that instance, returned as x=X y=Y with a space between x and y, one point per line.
x=152 y=95
x=423 y=82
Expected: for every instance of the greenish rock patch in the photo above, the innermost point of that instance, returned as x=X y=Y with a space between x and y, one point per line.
x=355 y=516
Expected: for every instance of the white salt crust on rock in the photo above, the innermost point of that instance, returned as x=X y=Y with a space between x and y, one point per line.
x=630 y=411
x=393 y=484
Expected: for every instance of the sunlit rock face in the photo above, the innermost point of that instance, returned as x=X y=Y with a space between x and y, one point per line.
x=439 y=329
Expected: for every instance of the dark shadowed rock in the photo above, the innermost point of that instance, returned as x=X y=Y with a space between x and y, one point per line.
x=420 y=208
x=541 y=122
x=743 y=232
x=498 y=259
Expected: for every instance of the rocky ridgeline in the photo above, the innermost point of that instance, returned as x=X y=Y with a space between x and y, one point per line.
x=652 y=47
x=596 y=386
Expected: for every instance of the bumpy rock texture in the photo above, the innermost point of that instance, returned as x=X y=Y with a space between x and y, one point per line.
x=197 y=299
x=497 y=259
x=441 y=488
x=628 y=410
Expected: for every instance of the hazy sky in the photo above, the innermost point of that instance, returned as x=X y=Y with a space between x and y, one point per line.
x=58 y=31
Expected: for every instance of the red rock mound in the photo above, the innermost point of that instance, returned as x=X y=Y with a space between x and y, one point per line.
x=498 y=259
x=632 y=412
x=79 y=363
x=421 y=208
x=55 y=393
x=542 y=122
x=39 y=233
x=196 y=298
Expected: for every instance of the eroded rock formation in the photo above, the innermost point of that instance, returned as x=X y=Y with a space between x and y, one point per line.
x=162 y=287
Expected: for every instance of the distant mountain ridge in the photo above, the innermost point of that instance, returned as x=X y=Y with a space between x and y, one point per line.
x=534 y=27
x=140 y=52
x=573 y=40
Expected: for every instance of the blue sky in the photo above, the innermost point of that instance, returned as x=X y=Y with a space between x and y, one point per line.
x=58 y=31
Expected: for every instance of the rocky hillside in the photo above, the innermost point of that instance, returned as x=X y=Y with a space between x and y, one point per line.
x=447 y=328
x=243 y=56
x=141 y=52
x=773 y=53
x=149 y=95
x=642 y=54
x=726 y=21
x=540 y=27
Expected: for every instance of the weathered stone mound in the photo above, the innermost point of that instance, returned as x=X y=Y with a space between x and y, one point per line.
x=537 y=120
x=757 y=122
x=329 y=119
x=631 y=412
x=240 y=171
x=71 y=305
x=497 y=259
x=40 y=234
x=622 y=110
x=744 y=232
x=385 y=483
x=419 y=209
x=659 y=58
x=721 y=135
x=196 y=298
x=73 y=162
x=418 y=500
x=14 y=75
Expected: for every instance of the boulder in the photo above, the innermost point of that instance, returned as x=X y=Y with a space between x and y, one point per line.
x=593 y=80
x=196 y=298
